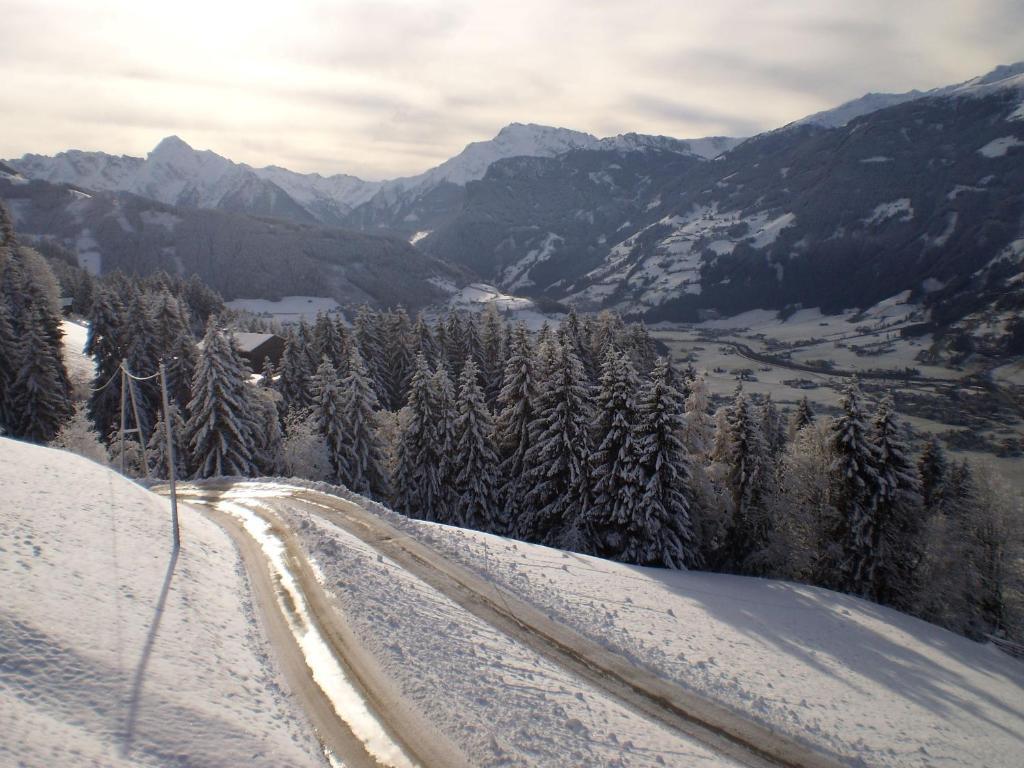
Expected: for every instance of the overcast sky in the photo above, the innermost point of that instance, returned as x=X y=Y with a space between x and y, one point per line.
x=386 y=88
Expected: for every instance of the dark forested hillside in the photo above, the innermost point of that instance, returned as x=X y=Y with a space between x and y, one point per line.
x=237 y=255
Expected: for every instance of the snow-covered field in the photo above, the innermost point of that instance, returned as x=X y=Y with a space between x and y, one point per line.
x=81 y=369
x=476 y=297
x=113 y=653
x=867 y=683
x=290 y=309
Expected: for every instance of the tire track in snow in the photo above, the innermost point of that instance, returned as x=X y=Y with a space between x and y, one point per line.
x=713 y=725
x=357 y=717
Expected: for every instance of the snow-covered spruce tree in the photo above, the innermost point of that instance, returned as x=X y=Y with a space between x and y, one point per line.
x=175 y=346
x=328 y=342
x=156 y=448
x=666 y=532
x=455 y=343
x=326 y=410
x=400 y=357
x=802 y=417
x=269 y=445
x=220 y=423
x=295 y=380
x=267 y=373
x=899 y=516
x=855 y=490
x=78 y=436
x=557 y=461
x=642 y=350
x=492 y=356
x=445 y=414
x=933 y=469
x=416 y=486
x=40 y=391
x=9 y=366
x=368 y=335
x=476 y=459
x=423 y=342
x=748 y=479
x=517 y=402
x=105 y=344
x=142 y=355
x=361 y=459
x=773 y=428
x=613 y=521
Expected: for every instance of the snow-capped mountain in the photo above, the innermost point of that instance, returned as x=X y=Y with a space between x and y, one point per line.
x=176 y=174
x=1000 y=77
x=923 y=195
x=173 y=173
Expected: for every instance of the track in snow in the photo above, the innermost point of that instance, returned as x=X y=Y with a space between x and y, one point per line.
x=717 y=728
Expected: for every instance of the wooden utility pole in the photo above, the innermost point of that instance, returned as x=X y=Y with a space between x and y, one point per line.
x=170 y=457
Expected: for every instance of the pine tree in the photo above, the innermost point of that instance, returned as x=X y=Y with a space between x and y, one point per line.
x=400 y=357
x=423 y=342
x=105 y=343
x=267 y=373
x=40 y=397
x=456 y=347
x=475 y=459
x=557 y=461
x=512 y=429
x=361 y=460
x=933 y=469
x=156 y=448
x=854 y=495
x=268 y=452
x=614 y=515
x=747 y=480
x=10 y=364
x=802 y=417
x=294 y=381
x=327 y=342
x=326 y=410
x=142 y=357
x=772 y=428
x=492 y=355
x=368 y=337
x=417 y=486
x=891 y=574
x=445 y=409
x=665 y=535
x=220 y=424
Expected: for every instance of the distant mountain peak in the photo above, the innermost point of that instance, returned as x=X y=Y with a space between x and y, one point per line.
x=171 y=145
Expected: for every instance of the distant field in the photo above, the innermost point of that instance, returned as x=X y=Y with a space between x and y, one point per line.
x=290 y=309
x=973 y=420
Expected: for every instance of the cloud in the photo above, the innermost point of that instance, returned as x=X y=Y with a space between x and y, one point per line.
x=389 y=87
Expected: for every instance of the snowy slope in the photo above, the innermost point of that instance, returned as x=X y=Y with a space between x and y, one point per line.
x=871 y=685
x=111 y=652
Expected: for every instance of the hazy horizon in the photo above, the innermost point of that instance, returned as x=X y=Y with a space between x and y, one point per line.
x=387 y=89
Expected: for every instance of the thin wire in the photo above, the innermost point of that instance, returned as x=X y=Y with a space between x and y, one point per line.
x=140 y=378
x=97 y=389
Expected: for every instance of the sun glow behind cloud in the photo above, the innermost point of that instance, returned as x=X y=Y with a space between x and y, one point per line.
x=388 y=88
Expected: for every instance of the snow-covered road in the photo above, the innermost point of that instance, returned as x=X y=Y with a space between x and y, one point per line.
x=499 y=680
